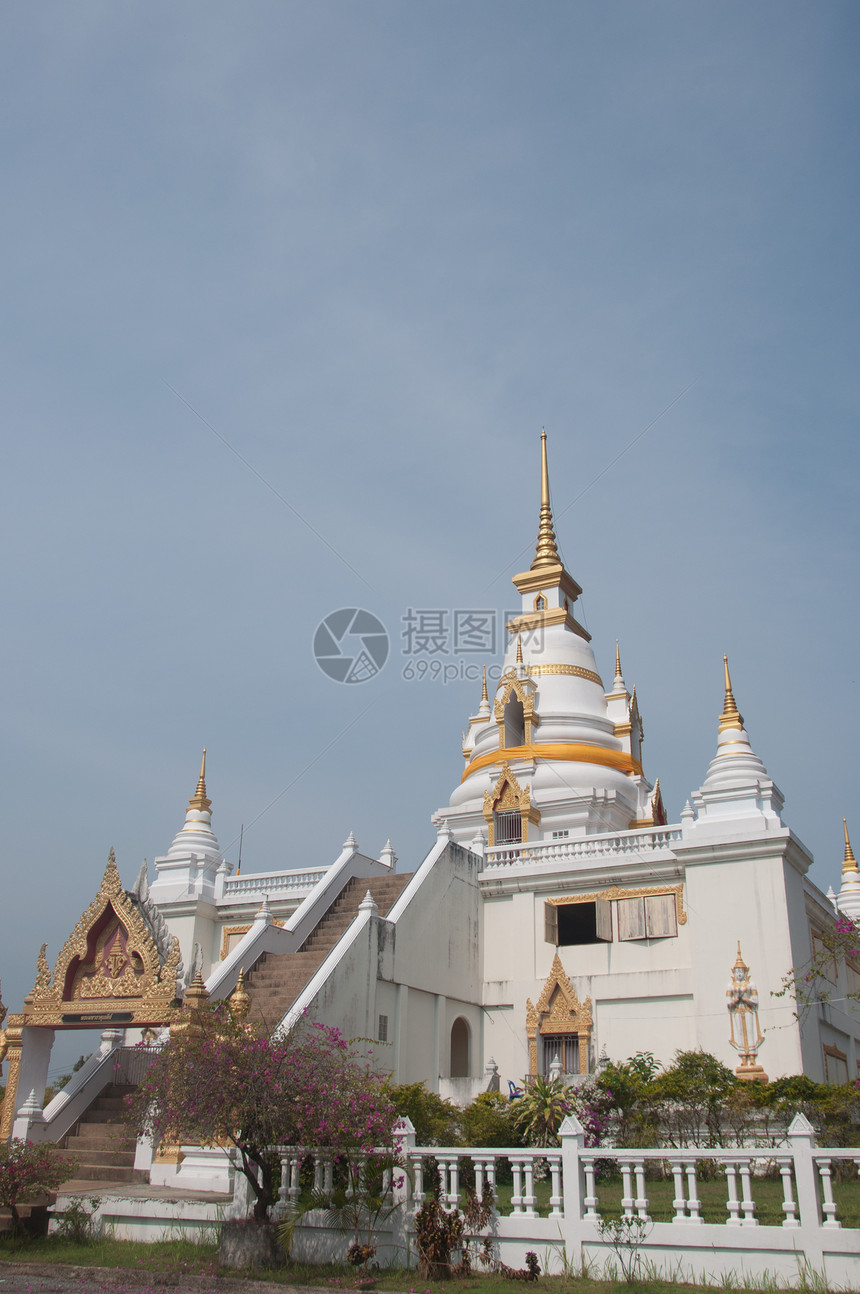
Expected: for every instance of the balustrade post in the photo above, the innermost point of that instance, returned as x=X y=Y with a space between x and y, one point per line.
x=693 y=1203
x=641 y=1197
x=734 y=1206
x=283 y=1193
x=295 y=1185
x=556 y=1199
x=789 y=1206
x=529 y=1197
x=572 y=1137
x=825 y=1172
x=627 y=1199
x=801 y=1139
x=517 y=1196
x=747 y=1201
x=680 y=1201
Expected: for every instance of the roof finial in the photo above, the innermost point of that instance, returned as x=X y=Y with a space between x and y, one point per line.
x=485 y=700
x=849 y=862
x=618 y=673
x=198 y=799
x=519 y=648
x=731 y=716
x=546 y=553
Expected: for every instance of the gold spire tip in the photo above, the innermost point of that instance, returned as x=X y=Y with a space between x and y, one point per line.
x=199 y=799
x=484 y=696
x=617 y=659
x=519 y=648
x=731 y=716
x=546 y=552
x=849 y=862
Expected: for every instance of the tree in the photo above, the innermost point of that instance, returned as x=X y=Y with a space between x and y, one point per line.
x=541 y=1110
x=437 y=1122
x=28 y=1171
x=490 y=1121
x=221 y=1083
x=814 y=980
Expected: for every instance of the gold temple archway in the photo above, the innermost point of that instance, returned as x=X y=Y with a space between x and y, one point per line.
x=108 y=973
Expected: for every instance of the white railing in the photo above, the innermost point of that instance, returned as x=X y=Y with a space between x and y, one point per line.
x=554 y=851
x=275 y=884
x=557 y=1205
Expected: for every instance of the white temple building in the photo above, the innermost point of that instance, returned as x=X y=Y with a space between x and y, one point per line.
x=558 y=918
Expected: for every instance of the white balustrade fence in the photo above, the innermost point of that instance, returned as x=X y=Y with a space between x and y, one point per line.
x=557 y=1201
x=274 y=884
x=636 y=843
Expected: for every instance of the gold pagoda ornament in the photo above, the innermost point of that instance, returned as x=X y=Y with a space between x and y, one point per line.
x=745 y=1031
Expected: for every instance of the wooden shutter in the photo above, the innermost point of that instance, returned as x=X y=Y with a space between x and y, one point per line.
x=631 y=919
x=550 y=923
x=660 y=918
x=603 y=911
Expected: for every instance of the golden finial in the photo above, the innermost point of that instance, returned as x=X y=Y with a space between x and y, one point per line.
x=239 y=1000
x=731 y=716
x=485 y=700
x=519 y=648
x=849 y=862
x=740 y=964
x=198 y=799
x=617 y=660
x=546 y=553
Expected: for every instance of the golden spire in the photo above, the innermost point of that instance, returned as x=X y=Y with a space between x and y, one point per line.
x=519 y=648
x=849 y=862
x=618 y=673
x=485 y=700
x=198 y=799
x=546 y=553
x=731 y=716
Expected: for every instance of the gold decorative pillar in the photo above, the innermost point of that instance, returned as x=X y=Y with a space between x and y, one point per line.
x=13 y=1042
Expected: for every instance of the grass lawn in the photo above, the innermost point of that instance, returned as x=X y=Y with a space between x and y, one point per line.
x=713 y=1195
x=169 y=1261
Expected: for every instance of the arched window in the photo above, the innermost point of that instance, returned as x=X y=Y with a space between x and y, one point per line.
x=460 y=1048
x=515 y=722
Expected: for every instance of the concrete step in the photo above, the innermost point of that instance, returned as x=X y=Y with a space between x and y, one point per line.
x=101 y=1136
x=104 y=1173
x=89 y=1155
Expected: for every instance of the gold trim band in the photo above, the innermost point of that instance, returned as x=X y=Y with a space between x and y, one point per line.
x=578 y=671
x=577 y=752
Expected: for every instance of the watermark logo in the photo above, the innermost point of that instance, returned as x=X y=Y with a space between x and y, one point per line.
x=351 y=645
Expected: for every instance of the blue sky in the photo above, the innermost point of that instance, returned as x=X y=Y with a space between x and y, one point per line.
x=376 y=248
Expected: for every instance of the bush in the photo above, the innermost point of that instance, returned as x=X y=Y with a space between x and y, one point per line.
x=437 y=1122
x=28 y=1171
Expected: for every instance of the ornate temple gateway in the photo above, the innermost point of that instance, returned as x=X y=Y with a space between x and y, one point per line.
x=559 y=915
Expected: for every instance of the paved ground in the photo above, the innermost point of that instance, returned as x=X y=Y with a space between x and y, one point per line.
x=51 y=1278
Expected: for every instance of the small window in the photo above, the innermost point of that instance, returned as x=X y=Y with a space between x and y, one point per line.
x=584 y=923
x=508 y=827
x=382 y=1032
x=560 y=835
x=651 y=917
x=540 y=604
x=563 y=1047
x=835 y=1065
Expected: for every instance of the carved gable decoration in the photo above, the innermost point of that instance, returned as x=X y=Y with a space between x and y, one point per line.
x=558 y=1011
x=506 y=794
x=560 y=1004
x=109 y=967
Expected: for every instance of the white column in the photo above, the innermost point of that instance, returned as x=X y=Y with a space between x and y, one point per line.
x=36 y=1044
